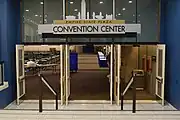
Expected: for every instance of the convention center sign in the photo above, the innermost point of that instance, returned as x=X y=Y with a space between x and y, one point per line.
x=65 y=27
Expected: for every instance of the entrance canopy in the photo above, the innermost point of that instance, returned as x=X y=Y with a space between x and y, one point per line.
x=89 y=29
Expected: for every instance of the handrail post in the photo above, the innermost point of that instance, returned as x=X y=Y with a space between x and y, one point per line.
x=56 y=101
x=122 y=97
x=40 y=95
x=134 y=93
x=122 y=101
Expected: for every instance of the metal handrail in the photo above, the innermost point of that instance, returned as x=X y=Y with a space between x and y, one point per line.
x=128 y=85
x=2 y=72
x=43 y=80
x=123 y=92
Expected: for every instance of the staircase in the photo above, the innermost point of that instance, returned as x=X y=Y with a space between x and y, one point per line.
x=88 y=61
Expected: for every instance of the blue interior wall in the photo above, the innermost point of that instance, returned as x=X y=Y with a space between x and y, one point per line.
x=170 y=34
x=9 y=36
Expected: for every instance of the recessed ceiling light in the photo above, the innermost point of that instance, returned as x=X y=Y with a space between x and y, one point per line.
x=119 y=13
x=41 y=3
x=124 y=9
x=101 y=2
x=36 y=15
x=71 y=2
x=27 y=10
x=130 y=1
x=75 y=9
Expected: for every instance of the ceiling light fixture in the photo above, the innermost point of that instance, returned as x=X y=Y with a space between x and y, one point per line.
x=71 y=2
x=119 y=13
x=27 y=10
x=130 y=1
x=41 y=3
x=101 y=2
x=36 y=15
x=75 y=9
x=124 y=9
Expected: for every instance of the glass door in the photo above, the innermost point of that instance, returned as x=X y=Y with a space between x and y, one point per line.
x=20 y=75
x=67 y=69
x=117 y=67
x=160 y=72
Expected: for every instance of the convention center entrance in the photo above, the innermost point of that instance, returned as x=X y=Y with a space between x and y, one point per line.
x=96 y=73
x=90 y=64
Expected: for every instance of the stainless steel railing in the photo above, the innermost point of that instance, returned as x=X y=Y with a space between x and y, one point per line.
x=43 y=80
x=132 y=82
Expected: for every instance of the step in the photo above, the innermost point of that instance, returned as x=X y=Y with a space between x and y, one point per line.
x=88 y=61
x=87 y=55
x=87 y=58
x=88 y=115
x=88 y=66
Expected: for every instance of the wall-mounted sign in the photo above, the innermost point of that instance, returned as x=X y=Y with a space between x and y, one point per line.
x=89 y=27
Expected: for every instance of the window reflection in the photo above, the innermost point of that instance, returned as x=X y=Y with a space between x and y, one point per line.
x=32 y=16
x=53 y=11
x=147 y=15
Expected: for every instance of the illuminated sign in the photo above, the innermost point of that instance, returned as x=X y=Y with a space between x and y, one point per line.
x=62 y=29
x=89 y=27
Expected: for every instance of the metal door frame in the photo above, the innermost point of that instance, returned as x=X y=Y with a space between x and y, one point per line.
x=18 y=77
x=67 y=72
x=160 y=79
x=117 y=67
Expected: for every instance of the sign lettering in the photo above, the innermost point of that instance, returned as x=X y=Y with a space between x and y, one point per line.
x=90 y=28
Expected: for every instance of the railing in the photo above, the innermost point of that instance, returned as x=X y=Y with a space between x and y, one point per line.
x=43 y=80
x=1 y=73
x=123 y=92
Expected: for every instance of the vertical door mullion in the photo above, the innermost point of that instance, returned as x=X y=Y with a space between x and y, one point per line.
x=17 y=73
x=61 y=74
x=111 y=74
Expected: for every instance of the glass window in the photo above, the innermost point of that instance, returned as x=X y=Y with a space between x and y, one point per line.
x=33 y=13
x=144 y=12
x=73 y=7
x=53 y=10
x=125 y=10
x=97 y=6
x=160 y=57
x=32 y=16
x=148 y=17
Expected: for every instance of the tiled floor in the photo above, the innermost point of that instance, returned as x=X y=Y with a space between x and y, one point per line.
x=50 y=105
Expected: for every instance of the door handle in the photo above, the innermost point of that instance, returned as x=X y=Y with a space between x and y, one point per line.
x=159 y=79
